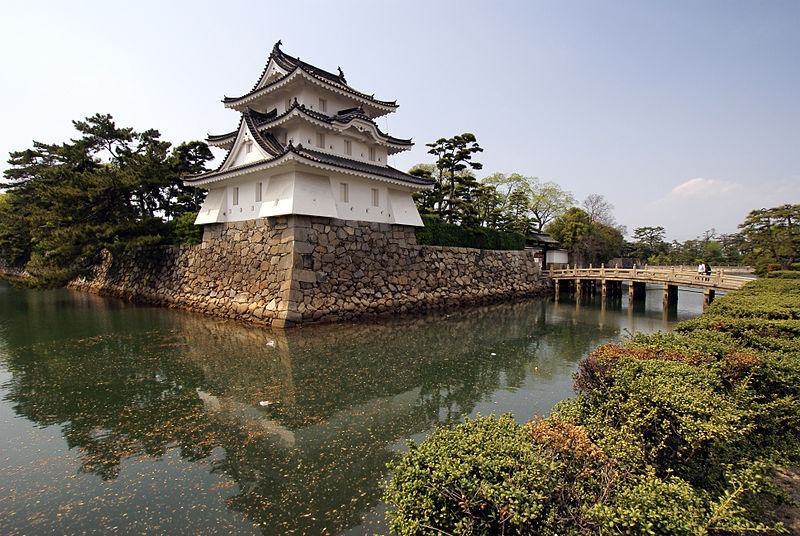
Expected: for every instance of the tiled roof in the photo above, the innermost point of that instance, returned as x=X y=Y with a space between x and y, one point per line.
x=543 y=239
x=343 y=117
x=323 y=159
x=361 y=167
x=265 y=140
x=221 y=139
x=290 y=64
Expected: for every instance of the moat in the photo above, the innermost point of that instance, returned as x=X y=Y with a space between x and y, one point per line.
x=124 y=419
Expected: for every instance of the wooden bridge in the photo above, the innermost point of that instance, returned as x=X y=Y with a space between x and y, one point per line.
x=609 y=281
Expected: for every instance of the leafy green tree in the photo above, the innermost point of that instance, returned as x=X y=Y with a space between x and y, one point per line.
x=453 y=197
x=15 y=233
x=427 y=201
x=189 y=158
x=732 y=246
x=589 y=242
x=773 y=236
x=648 y=242
x=549 y=201
x=518 y=208
x=111 y=187
x=489 y=206
x=545 y=200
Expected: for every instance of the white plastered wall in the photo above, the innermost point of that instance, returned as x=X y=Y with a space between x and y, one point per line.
x=213 y=209
x=301 y=192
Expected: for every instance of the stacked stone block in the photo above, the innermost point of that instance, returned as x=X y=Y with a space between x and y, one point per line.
x=297 y=270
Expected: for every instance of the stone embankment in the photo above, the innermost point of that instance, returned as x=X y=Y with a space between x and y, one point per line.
x=296 y=270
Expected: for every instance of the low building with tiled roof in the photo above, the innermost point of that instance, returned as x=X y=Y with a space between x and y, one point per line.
x=307 y=144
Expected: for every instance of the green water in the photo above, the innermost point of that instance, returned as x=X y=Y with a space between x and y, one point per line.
x=123 y=419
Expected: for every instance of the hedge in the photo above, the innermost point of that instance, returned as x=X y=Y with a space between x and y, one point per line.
x=439 y=233
x=669 y=434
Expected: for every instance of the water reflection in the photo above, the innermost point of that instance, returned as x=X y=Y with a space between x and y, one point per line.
x=256 y=430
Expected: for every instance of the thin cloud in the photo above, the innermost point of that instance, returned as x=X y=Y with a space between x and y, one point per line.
x=701 y=186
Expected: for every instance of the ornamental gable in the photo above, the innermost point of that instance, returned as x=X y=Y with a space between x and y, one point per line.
x=245 y=150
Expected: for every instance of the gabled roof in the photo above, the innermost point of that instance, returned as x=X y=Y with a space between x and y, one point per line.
x=543 y=239
x=315 y=159
x=265 y=140
x=343 y=119
x=294 y=68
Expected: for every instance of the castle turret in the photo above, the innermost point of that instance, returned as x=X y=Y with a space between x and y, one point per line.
x=307 y=144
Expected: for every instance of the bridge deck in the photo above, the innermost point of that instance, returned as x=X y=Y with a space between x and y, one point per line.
x=718 y=280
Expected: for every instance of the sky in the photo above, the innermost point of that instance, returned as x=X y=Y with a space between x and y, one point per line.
x=682 y=114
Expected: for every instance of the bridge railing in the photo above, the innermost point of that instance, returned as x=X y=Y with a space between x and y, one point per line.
x=674 y=275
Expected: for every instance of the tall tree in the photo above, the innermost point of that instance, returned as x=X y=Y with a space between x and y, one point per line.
x=773 y=236
x=648 y=242
x=599 y=209
x=489 y=205
x=548 y=201
x=111 y=186
x=456 y=183
x=545 y=200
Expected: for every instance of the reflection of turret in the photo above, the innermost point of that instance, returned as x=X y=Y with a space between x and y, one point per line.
x=255 y=422
x=129 y=382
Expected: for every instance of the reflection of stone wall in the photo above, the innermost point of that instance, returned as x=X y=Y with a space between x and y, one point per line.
x=294 y=270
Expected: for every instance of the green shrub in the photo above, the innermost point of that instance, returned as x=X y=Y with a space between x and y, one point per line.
x=670 y=434
x=652 y=506
x=439 y=233
x=794 y=273
x=183 y=230
x=667 y=415
x=482 y=477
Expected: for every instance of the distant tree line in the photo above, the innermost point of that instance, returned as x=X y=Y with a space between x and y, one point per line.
x=768 y=238
x=112 y=187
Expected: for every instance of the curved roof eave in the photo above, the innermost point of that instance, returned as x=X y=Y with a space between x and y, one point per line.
x=239 y=102
x=292 y=154
x=300 y=111
x=221 y=140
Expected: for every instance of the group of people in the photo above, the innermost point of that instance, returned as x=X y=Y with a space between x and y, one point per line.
x=704 y=268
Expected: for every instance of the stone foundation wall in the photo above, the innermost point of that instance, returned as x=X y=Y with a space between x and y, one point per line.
x=296 y=270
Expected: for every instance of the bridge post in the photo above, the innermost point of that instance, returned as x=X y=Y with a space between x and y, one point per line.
x=636 y=291
x=578 y=288
x=708 y=297
x=670 y=295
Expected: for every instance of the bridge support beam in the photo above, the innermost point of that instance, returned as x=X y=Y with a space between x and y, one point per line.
x=708 y=297
x=636 y=291
x=611 y=289
x=670 y=295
